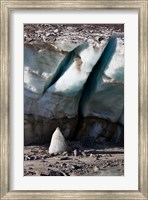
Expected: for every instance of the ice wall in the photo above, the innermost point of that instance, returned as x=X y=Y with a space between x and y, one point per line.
x=63 y=90
x=87 y=81
x=40 y=64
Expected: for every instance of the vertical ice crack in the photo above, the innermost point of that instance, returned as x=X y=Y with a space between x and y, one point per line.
x=64 y=65
x=93 y=80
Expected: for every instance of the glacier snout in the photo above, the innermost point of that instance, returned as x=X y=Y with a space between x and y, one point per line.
x=87 y=82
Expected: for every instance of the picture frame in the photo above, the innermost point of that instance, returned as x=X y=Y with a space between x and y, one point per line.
x=142 y=7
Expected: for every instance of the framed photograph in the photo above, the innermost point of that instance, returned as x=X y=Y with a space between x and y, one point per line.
x=74 y=99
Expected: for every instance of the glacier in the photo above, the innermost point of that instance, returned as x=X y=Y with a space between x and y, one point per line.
x=74 y=89
x=62 y=92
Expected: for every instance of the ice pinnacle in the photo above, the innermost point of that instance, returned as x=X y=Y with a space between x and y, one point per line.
x=58 y=142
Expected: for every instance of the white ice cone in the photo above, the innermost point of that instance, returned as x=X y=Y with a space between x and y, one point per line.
x=58 y=142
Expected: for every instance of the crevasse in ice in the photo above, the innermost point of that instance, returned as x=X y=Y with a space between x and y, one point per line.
x=83 y=60
x=106 y=97
x=88 y=80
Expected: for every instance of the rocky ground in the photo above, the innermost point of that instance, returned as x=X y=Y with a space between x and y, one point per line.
x=75 y=33
x=105 y=159
x=85 y=157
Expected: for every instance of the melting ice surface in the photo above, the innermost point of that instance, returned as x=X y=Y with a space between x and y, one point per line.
x=75 y=69
x=115 y=69
x=92 y=73
x=103 y=95
x=40 y=63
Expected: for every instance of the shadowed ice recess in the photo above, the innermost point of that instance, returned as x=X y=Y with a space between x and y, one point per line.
x=103 y=93
x=96 y=74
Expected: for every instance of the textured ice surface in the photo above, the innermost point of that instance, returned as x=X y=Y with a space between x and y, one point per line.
x=106 y=103
x=104 y=95
x=121 y=119
x=92 y=72
x=33 y=82
x=62 y=98
x=115 y=69
x=66 y=46
x=83 y=60
x=40 y=63
x=96 y=130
